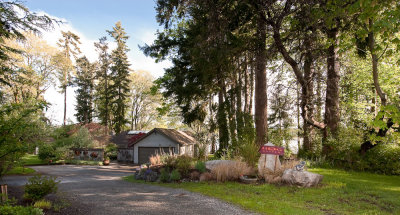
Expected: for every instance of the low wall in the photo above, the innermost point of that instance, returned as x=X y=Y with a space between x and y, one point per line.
x=88 y=154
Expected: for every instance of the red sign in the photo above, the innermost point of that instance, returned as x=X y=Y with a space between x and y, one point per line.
x=272 y=150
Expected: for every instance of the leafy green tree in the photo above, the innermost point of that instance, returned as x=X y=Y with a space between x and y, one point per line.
x=21 y=128
x=85 y=74
x=69 y=45
x=15 y=18
x=119 y=91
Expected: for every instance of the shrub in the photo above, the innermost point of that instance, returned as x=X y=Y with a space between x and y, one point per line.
x=183 y=164
x=82 y=139
x=249 y=152
x=20 y=210
x=175 y=175
x=111 y=151
x=384 y=159
x=164 y=175
x=39 y=186
x=231 y=171
x=200 y=166
x=47 y=152
x=43 y=204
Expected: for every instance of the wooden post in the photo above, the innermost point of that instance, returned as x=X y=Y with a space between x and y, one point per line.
x=276 y=156
x=4 y=193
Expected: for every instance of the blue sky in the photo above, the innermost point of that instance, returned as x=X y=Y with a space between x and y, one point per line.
x=90 y=19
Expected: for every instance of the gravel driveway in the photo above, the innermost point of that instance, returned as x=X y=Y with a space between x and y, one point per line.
x=100 y=190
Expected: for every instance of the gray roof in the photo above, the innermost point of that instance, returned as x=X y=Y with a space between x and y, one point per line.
x=180 y=137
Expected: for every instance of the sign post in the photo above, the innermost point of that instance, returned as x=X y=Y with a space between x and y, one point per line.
x=272 y=150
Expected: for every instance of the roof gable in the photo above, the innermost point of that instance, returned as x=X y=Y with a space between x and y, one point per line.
x=179 y=137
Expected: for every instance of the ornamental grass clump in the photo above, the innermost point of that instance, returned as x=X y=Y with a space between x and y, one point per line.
x=231 y=171
x=43 y=204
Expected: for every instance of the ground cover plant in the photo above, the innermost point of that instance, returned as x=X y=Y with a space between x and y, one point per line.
x=341 y=192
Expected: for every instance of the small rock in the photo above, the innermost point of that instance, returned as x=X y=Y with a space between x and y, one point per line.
x=301 y=178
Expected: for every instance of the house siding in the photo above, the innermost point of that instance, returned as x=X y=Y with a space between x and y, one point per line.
x=154 y=140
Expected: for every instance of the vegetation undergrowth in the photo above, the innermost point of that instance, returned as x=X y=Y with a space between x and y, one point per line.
x=341 y=192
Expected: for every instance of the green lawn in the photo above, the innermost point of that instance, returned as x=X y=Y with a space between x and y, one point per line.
x=20 y=171
x=30 y=160
x=340 y=193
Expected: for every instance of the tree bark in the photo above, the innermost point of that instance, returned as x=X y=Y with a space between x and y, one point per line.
x=332 y=114
x=261 y=82
x=65 y=106
x=374 y=58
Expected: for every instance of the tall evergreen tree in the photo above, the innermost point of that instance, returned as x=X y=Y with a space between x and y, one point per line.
x=103 y=86
x=85 y=73
x=120 y=75
x=69 y=43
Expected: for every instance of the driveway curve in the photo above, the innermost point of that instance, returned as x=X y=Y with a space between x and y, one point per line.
x=101 y=190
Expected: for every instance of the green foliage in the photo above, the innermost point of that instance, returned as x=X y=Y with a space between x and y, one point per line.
x=21 y=128
x=43 y=204
x=20 y=210
x=85 y=75
x=82 y=139
x=249 y=152
x=39 y=186
x=164 y=175
x=200 y=166
x=383 y=158
x=47 y=152
x=119 y=74
x=183 y=164
x=111 y=151
x=175 y=175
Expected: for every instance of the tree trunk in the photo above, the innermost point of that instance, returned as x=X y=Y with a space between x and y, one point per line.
x=332 y=114
x=222 y=120
x=307 y=91
x=374 y=58
x=261 y=82
x=65 y=106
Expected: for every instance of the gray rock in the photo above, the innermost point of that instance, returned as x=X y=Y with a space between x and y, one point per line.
x=301 y=178
x=210 y=165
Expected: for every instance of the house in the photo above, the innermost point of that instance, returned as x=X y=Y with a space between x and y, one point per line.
x=162 y=139
x=122 y=140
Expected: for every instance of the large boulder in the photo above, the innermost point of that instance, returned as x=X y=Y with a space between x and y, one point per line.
x=210 y=165
x=301 y=178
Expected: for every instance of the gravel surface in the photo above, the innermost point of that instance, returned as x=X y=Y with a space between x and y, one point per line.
x=100 y=190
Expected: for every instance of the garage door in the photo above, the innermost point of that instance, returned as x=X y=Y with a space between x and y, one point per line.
x=145 y=152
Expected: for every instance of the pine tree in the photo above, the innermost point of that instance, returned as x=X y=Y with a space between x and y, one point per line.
x=85 y=72
x=103 y=86
x=119 y=91
x=69 y=44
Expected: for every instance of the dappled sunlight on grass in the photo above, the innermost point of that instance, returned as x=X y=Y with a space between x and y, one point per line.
x=341 y=192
